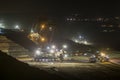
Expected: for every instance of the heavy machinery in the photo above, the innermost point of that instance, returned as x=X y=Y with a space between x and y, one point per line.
x=43 y=56
x=101 y=57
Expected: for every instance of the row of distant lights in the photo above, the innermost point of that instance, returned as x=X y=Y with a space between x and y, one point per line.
x=84 y=42
x=53 y=48
x=2 y=26
x=89 y=19
x=81 y=40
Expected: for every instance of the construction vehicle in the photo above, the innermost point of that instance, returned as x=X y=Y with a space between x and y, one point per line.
x=101 y=57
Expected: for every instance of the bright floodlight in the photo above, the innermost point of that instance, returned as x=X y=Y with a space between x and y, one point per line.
x=102 y=54
x=31 y=31
x=42 y=39
x=85 y=42
x=37 y=52
x=43 y=26
x=50 y=28
x=17 y=27
x=65 y=55
x=52 y=51
x=76 y=41
x=64 y=46
x=2 y=26
x=53 y=46
x=48 y=47
x=80 y=36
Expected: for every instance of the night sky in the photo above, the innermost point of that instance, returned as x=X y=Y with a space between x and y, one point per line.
x=59 y=6
x=26 y=12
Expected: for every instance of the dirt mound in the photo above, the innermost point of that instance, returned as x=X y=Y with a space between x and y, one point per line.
x=12 y=69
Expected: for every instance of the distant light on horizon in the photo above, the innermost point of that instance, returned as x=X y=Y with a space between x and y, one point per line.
x=81 y=40
x=17 y=27
x=85 y=42
x=1 y=25
x=76 y=41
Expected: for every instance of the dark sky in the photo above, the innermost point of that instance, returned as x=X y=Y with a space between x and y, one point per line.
x=28 y=11
x=31 y=10
x=58 y=6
